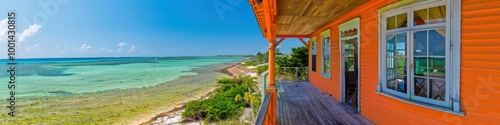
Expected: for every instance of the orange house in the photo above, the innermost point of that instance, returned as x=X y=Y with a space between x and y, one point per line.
x=409 y=61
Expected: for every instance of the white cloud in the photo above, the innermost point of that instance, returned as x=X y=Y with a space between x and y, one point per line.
x=3 y=30
x=131 y=49
x=85 y=47
x=121 y=44
x=20 y=36
x=29 y=32
x=30 y=48
x=100 y=49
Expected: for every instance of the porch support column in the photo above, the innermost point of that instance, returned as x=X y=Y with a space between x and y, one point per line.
x=270 y=12
x=272 y=84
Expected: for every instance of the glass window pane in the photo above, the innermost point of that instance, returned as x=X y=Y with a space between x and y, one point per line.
x=420 y=17
x=401 y=83
x=391 y=65
x=391 y=40
x=326 y=65
x=314 y=48
x=437 y=89
x=401 y=65
x=401 y=44
x=437 y=42
x=391 y=23
x=420 y=43
x=437 y=14
x=420 y=88
x=391 y=81
x=420 y=66
x=436 y=67
x=402 y=20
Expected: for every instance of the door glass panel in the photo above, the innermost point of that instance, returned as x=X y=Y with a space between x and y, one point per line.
x=420 y=46
x=437 y=42
x=437 y=14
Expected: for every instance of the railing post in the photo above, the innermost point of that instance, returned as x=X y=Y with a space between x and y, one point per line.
x=264 y=78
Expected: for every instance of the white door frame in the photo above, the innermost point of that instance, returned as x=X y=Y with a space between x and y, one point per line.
x=354 y=23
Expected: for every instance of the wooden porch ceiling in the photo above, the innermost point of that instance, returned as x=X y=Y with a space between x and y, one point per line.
x=302 y=17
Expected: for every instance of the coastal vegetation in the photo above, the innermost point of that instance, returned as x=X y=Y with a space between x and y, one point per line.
x=227 y=103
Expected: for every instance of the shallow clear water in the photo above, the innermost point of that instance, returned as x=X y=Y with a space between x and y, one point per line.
x=50 y=77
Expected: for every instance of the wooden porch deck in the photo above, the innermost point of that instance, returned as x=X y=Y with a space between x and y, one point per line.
x=301 y=103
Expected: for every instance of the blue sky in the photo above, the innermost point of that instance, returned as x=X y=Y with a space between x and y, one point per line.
x=130 y=28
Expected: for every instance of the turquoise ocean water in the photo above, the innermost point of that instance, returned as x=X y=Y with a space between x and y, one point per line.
x=46 y=77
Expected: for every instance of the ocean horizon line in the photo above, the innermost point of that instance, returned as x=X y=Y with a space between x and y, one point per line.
x=102 y=57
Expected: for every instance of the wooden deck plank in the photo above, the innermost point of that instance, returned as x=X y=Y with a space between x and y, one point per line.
x=303 y=103
x=321 y=112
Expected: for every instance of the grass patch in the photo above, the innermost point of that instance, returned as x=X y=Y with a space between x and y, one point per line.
x=249 y=63
x=262 y=69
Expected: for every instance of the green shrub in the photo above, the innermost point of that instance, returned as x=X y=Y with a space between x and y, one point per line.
x=262 y=69
x=193 y=109
x=223 y=104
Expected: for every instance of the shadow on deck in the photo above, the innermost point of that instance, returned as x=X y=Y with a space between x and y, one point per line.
x=301 y=103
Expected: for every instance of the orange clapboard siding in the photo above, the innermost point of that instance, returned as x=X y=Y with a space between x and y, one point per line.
x=480 y=68
x=480 y=86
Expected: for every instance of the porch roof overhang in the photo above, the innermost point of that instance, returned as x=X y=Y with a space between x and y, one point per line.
x=298 y=18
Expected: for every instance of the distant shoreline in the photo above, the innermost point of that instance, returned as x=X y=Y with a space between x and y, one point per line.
x=217 y=56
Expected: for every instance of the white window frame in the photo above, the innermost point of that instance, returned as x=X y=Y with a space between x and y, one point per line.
x=314 y=52
x=326 y=50
x=452 y=56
